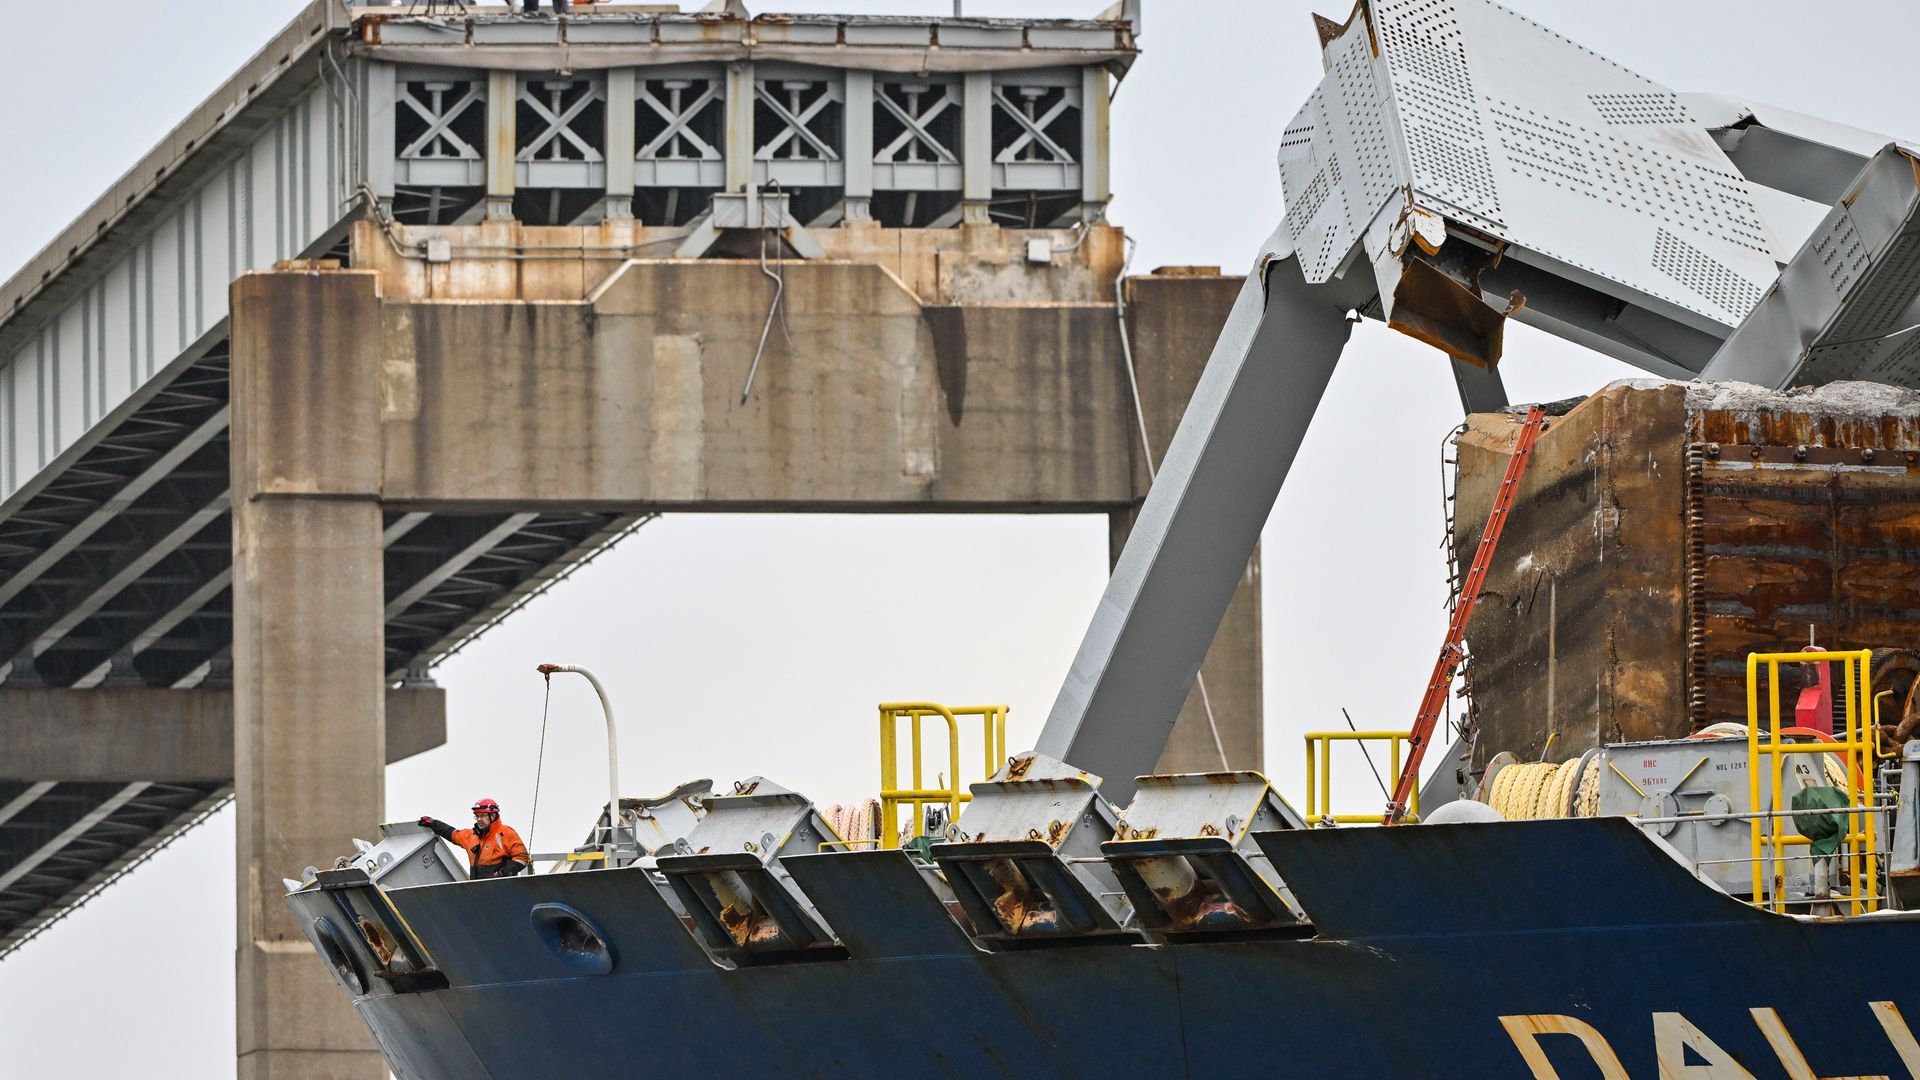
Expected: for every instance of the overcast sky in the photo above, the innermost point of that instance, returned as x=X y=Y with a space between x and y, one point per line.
x=742 y=645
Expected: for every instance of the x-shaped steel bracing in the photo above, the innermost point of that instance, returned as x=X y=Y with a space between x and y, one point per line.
x=440 y=126
x=795 y=121
x=678 y=126
x=1035 y=130
x=559 y=125
x=917 y=131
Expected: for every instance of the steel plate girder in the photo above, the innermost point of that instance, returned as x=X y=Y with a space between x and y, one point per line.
x=1198 y=525
x=61 y=842
x=1484 y=167
x=1848 y=305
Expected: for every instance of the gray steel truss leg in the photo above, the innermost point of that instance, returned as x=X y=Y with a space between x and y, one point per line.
x=1197 y=528
x=1834 y=317
x=1480 y=388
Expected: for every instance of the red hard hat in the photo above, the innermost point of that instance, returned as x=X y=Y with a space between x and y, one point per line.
x=486 y=806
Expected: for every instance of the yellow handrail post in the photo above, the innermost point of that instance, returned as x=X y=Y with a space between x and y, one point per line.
x=1778 y=777
x=919 y=796
x=1313 y=791
x=1320 y=774
x=1855 y=831
x=889 y=780
x=1326 y=778
x=1856 y=748
x=1754 y=824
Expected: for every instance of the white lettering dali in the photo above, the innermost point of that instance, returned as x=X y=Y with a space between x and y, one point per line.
x=1684 y=1052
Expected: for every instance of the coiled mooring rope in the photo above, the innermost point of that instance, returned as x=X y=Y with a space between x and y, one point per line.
x=1530 y=791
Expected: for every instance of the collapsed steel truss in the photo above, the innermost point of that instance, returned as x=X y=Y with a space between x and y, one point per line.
x=1457 y=166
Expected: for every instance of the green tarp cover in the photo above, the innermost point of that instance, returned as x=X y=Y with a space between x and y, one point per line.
x=1824 y=830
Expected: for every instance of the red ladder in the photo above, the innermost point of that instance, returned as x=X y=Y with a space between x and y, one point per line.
x=1450 y=652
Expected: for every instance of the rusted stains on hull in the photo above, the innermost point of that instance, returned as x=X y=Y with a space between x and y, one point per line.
x=1598 y=526
x=1677 y=544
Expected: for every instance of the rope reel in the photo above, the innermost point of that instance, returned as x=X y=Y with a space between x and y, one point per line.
x=1586 y=793
x=1536 y=790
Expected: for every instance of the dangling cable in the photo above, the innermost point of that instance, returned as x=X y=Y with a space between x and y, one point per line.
x=540 y=763
x=779 y=280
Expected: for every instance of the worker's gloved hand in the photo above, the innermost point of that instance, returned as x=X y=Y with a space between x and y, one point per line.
x=510 y=868
x=427 y=821
x=440 y=828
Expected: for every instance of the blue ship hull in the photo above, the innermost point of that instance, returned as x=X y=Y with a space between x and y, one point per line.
x=1434 y=951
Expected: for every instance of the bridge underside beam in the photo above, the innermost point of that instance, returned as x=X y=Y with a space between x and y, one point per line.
x=94 y=781
x=138 y=733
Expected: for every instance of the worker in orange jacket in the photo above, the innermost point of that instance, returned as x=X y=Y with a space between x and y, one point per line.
x=493 y=849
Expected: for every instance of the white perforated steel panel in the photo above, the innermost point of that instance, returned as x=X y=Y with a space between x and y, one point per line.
x=1440 y=112
x=1646 y=107
x=1873 y=336
x=1495 y=122
x=1318 y=225
x=1338 y=161
x=1887 y=305
x=1701 y=274
x=1847 y=304
x=1838 y=247
x=1602 y=169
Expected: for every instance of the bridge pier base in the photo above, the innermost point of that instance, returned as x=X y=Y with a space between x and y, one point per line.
x=309 y=689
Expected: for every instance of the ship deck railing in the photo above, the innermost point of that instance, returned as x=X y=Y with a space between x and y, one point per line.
x=1879 y=806
x=1882 y=804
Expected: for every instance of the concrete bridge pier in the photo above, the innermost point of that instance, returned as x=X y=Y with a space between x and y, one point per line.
x=400 y=388
x=308 y=685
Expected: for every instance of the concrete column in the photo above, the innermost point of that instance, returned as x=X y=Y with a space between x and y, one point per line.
x=309 y=699
x=976 y=146
x=1173 y=318
x=503 y=142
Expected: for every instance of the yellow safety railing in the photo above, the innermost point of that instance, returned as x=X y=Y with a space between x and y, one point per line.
x=1320 y=779
x=917 y=794
x=1882 y=749
x=1771 y=829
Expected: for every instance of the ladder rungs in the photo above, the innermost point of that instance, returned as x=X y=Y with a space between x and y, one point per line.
x=1451 y=655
